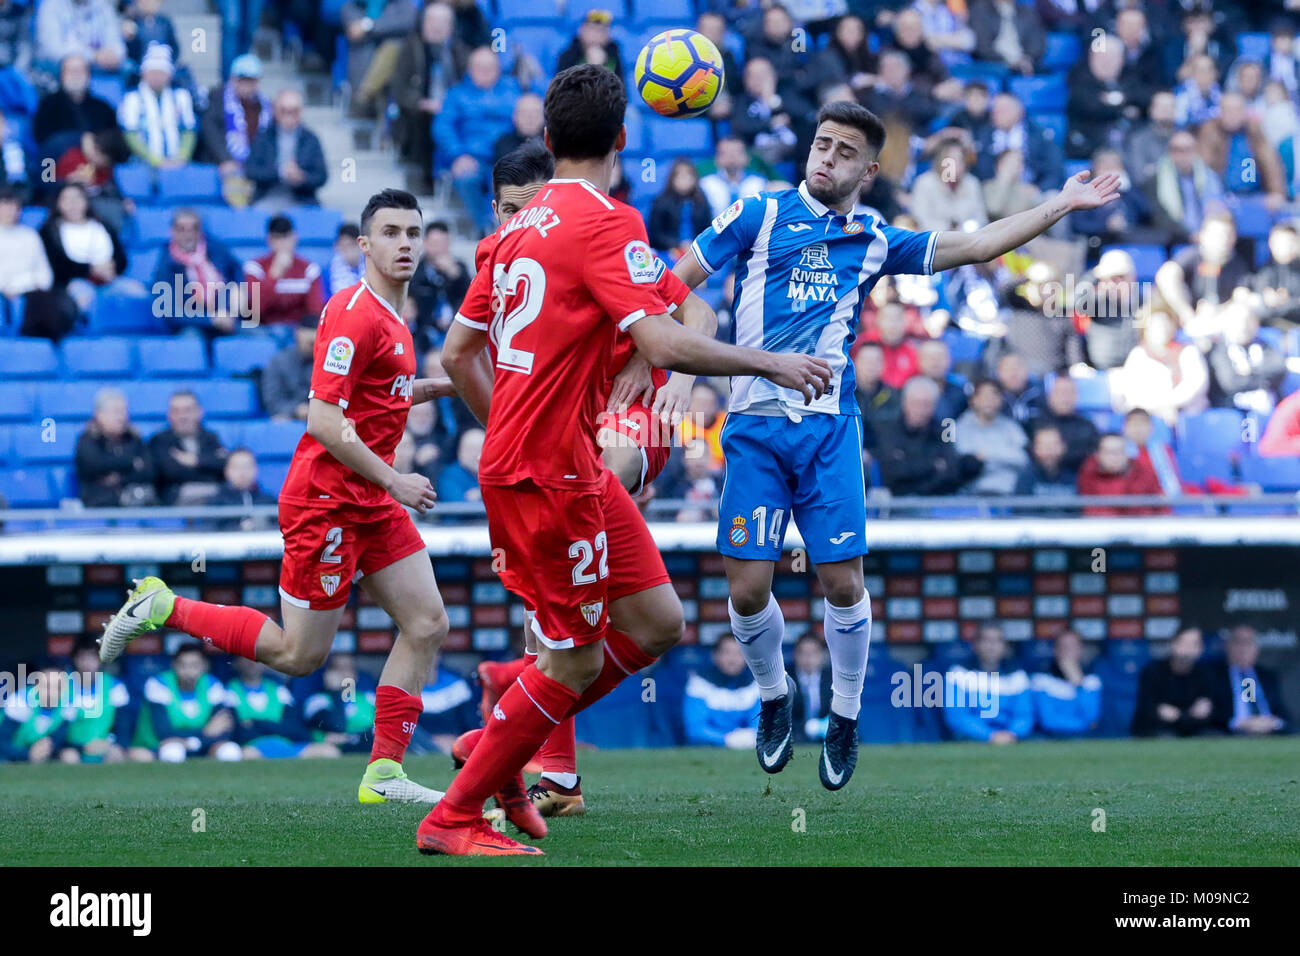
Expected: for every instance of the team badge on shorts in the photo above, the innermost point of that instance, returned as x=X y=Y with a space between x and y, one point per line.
x=591 y=612
x=330 y=583
x=739 y=533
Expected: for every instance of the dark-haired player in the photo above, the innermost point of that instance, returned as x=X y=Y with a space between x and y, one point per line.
x=343 y=509
x=635 y=438
x=570 y=270
x=806 y=263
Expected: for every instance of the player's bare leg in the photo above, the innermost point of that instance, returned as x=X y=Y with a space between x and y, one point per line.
x=621 y=455
x=759 y=628
x=407 y=590
x=848 y=639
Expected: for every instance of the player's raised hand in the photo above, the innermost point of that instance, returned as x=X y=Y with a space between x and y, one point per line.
x=1081 y=194
x=633 y=383
x=672 y=401
x=414 y=491
x=805 y=374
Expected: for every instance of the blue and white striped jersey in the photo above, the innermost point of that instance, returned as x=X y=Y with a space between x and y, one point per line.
x=802 y=273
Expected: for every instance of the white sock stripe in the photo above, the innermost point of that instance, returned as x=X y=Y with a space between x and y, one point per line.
x=617 y=663
x=534 y=700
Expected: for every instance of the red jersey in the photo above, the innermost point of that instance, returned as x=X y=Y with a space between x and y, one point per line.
x=568 y=272
x=671 y=289
x=364 y=362
x=297 y=293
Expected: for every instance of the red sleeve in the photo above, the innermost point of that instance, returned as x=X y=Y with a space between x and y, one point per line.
x=672 y=289
x=344 y=347
x=1282 y=436
x=483 y=251
x=476 y=308
x=620 y=271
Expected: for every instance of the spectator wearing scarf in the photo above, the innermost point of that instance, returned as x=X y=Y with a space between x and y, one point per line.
x=158 y=120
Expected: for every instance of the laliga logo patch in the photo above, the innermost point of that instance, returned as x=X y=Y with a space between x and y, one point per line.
x=853 y=228
x=338 y=356
x=728 y=215
x=591 y=612
x=642 y=264
x=739 y=533
x=329 y=583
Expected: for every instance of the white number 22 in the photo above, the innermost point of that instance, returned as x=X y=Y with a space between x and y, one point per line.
x=506 y=326
x=583 y=551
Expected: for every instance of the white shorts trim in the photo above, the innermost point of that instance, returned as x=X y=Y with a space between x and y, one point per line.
x=296 y=602
x=553 y=645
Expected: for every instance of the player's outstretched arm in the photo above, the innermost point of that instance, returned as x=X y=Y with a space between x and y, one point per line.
x=689 y=270
x=952 y=249
x=326 y=424
x=465 y=357
x=669 y=345
x=634 y=383
x=432 y=389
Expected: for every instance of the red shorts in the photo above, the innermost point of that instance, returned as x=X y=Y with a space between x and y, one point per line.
x=324 y=548
x=652 y=437
x=570 y=554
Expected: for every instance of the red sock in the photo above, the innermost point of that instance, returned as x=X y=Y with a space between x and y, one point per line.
x=560 y=752
x=226 y=627
x=531 y=706
x=507 y=672
x=622 y=658
x=396 y=714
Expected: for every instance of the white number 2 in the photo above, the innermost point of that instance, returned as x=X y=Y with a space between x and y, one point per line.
x=506 y=326
x=584 y=551
x=333 y=538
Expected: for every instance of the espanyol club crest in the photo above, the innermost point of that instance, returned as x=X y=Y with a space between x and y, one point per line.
x=739 y=533
x=591 y=612
x=330 y=583
x=853 y=228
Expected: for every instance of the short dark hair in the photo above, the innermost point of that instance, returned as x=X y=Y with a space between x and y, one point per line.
x=530 y=163
x=348 y=229
x=10 y=194
x=279 y=226
x=113 y=144
x=1134 y=412
x=584 y=111
x=184 y=393
x=437 y=226
x=859 y=117
x=189 y=647
x=387 y=199
x=984 y=382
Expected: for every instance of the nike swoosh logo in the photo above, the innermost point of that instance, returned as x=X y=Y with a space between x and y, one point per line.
x=797 y=226
x=831 y=775
x=842 y=537
x=854 y=627
x=771 y=759
x=131 y=609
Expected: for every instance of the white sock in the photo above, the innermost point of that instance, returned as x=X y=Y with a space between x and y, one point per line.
x=566 y=780
x=848 y=638
x=760 y=636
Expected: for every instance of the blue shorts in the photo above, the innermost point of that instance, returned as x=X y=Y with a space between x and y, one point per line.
x=276 y=747
x=810 y=470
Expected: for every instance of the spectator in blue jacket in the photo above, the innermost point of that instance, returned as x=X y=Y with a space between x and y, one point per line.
x=987 y=702
x=476 y=113
x=459 y=479
x=450 y=709
x=721 y=705
x=1067 y=699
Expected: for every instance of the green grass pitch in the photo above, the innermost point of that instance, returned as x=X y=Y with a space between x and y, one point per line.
x=1189 y=802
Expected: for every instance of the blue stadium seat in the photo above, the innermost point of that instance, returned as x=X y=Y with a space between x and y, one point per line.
x=153 y=225
x=1039 y=92
x=27 y=488
x=1147 y=258
x=1094 y=392
x=142 y=263
x=235 y=226
x=147 y=400
x=541 y=40
x=993 y=74
x=249 y=252
x=1271 y=474
x=107 y=356
x=1053 y=122
x=229 y=398
x=636 y=135
x=1062 y=52
x=1253 y=218
x=321 y=255
x=1253 y=46
x=172 y=356
x=17 y=402
x=28 y=358
x=1214 y=431
x=1075 y=166
x=113 y=313
x=230 y=433
x=670 y=138
x=108 y=87
x=62 y=402
x=680 y=13
x=34 y=216
x=37 y=445
x=272 y=440
x=315 y=225
x=240 y=354
x=6 y=445
x=964 y=348
x=191 y=183
x=136 y=181
x=271 y=475
x=512 y=12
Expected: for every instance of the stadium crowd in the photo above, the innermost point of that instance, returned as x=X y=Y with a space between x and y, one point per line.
x=705 y=697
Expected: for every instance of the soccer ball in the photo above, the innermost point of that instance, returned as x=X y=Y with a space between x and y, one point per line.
x=679 y=73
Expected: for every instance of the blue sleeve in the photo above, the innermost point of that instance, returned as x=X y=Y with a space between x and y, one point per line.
x=732 y=232
x=966 y=723
x=696 y=721
x=1022 y=714
x=909 y=253
x=1090 y=701
x=445 y=130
